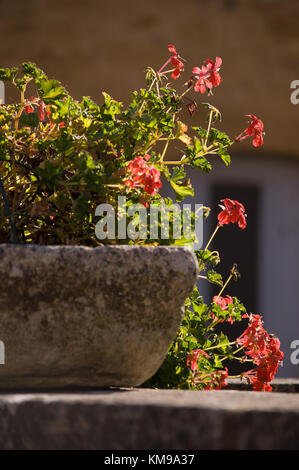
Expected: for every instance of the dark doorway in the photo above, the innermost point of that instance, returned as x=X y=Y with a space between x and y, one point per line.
x=240 y=247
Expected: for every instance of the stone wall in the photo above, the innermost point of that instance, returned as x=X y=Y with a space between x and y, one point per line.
x=146 y=419
x=96 y=45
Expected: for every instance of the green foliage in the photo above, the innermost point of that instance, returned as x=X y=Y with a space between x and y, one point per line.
x=207 y=256
x=8 y=75
x=197 y=331
x=64 y=157
x=214 y=277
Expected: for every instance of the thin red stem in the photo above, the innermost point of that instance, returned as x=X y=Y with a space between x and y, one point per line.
x=163 y=66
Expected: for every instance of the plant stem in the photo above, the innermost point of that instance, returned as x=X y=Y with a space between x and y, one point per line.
x=20 y=110
x=224 y=286
x=186 y=91
x=164 y=150
x=163 y=66
x=17 y=118
x=207 y=150
x=239 y=349
x=209 y=127
x=150 y=88
x=219 y=346
x=157 y=88
x=212 y=236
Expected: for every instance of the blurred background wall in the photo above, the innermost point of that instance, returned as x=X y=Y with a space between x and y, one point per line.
x=94 y=45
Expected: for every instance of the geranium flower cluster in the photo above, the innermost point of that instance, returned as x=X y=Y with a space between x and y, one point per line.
x=264 y=351
x=144 y=176
x=205 y=78
x=260 y=348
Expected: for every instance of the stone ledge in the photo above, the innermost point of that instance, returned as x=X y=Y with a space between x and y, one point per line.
x=134 y=419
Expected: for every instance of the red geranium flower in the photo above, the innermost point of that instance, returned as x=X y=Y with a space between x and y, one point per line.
x=208 y=75
x=175 y=62
x=29 y=109
x=193 y=358
x=143 y=175
x=255 y=130
x=152 y=182
x=43 y=112
x=214 y=68
x=264 y=350
x=202 y=76
x=222 y=301
x=232 y=212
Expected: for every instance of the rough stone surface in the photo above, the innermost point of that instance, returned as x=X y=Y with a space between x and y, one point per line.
x=135 y=419
x=89 y=316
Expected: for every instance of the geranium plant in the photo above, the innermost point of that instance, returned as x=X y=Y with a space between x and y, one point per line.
x=61 y=158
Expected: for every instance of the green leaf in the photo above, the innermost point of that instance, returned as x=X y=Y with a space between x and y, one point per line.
x=197 y=146
x=50 y=89
x=8 y=75
x=194 y=152
x=110 y=107
x=29 y=68
x=22 y=82
x=226 y=158
x=207 y=256
x=181 y=191
x=214 y=277
x=216 y=136
x=199 y=309
x=202 y=163
x=178 y=173
x=201 y=132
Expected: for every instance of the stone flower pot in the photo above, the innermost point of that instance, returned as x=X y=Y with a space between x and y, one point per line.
x=96 y=317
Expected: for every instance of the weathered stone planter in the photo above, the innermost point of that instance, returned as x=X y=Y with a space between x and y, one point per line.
x=78 y=316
